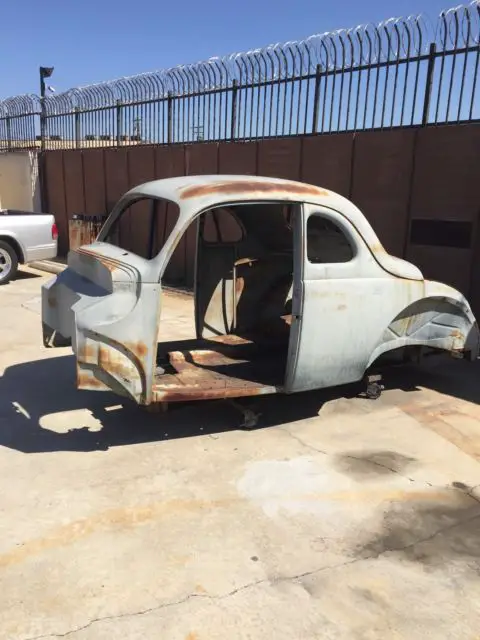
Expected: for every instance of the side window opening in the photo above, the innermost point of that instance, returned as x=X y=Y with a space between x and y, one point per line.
x=326 y=242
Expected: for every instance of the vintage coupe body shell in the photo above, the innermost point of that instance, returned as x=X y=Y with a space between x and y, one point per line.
x=342 y=315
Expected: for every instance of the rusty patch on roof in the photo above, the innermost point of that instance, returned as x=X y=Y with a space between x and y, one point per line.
x=251 y=186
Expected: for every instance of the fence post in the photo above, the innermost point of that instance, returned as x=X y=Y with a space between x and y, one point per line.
x=316 y=98
x=428 y=83
x=170 y=118
x=77 y=127
x=118 y=110
x=9 y=133
x=43 y=124
x=234 y=108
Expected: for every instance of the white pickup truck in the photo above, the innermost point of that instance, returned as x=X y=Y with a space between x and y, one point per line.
x=25 y=237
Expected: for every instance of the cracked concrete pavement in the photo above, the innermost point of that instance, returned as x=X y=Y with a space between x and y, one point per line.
x=337 y=518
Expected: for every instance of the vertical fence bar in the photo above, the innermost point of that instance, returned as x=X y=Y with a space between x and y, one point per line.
x=118 y=116
x=428 y=83
x=474 y=87
x=9 y=133
x=395 y=81
x=234 y=109
x=226 y=112
x=264 y=110
x=316 y=98
x=170 y=118
x=77 y=128
x=405 y=86
x=460 y=99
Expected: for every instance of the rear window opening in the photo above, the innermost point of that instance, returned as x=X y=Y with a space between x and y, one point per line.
x=143 y=226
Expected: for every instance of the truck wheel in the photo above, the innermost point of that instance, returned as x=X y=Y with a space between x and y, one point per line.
x=8 y=262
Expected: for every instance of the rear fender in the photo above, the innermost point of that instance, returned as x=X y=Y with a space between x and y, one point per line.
x=439 y=322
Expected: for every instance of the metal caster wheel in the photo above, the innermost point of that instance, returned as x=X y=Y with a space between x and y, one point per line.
x=374 y=390
x=250 y=418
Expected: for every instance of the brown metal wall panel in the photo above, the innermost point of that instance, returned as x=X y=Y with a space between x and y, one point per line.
x=163 y=161
x=443 y=264
x=139 y=225
x=54 y=181
x=446 y=186
x=474 y=293
x=327 y=161
x=446 y=183
x=237 y=158
x=169 y=162
x=141 y=165
x=382 y=171
x=116 y=173
x=141 y=168
x=280 y=158
x=201 y=159
x=94 y=182
x=74 y=189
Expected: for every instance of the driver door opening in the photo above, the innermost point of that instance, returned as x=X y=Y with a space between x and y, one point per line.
x=243 y=307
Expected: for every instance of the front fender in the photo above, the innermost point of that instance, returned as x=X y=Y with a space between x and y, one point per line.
x=443 y=322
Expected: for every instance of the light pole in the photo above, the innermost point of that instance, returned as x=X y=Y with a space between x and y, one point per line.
x=45 y=72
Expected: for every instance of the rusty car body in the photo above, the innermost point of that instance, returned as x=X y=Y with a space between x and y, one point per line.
x=293 y=291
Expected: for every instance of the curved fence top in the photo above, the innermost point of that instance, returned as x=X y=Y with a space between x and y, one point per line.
x=364 y=45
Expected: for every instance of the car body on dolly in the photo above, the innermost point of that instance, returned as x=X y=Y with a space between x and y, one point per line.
x=293 y=291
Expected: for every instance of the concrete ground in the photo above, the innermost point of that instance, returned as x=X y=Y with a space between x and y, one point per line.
x=338 y=518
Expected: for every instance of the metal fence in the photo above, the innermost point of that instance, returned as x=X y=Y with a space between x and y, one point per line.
x=402 y=72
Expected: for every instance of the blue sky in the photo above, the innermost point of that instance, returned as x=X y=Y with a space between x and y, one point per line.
x=97 y=40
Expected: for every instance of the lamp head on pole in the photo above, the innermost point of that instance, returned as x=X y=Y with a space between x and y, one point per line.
x=46 y=72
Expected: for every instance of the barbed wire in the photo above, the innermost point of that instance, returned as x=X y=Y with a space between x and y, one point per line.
x=345 y=49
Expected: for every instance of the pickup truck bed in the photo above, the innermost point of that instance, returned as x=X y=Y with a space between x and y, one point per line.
x=25 y=237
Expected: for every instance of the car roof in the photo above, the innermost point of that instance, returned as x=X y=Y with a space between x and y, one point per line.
x=205 y=190
x=199 y=193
